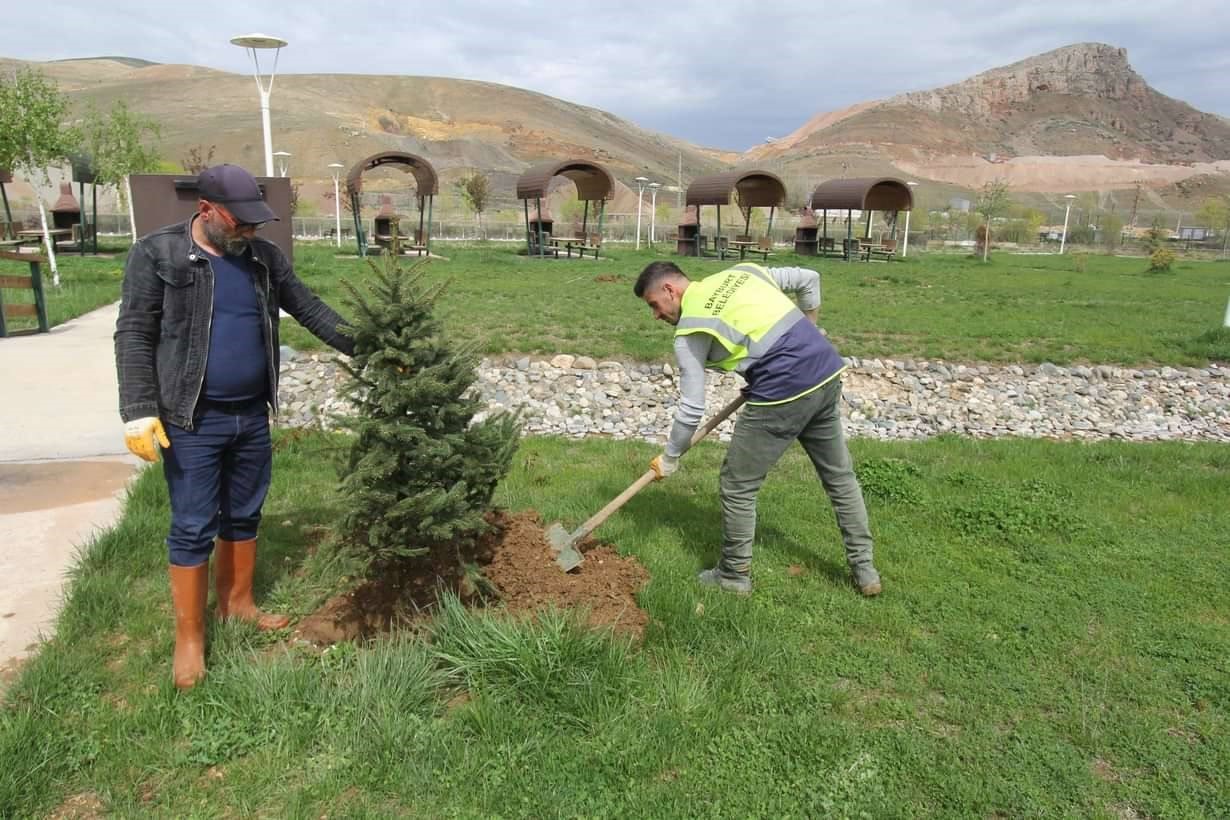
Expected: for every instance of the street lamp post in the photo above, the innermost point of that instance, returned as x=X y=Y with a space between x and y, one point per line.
x=252 y=42
x=905 y=245
x=283 y=162
x=641 y=182
x=336 y=169
x=1063 y=239
x=653 y=210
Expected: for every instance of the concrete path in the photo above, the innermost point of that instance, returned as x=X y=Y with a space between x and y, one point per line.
x=63 y=467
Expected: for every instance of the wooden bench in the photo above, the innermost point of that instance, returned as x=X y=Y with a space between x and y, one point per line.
x=593 y=244
x=886 y=250
x=764 y=247
x=34 y=282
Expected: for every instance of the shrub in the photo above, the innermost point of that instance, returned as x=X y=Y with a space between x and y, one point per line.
x=1160 y=260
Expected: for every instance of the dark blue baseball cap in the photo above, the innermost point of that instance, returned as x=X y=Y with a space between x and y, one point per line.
x=235 y=188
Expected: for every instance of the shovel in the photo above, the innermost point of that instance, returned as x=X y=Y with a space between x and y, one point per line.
x=564 y=543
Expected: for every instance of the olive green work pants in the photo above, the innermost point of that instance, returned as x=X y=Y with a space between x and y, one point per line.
x=762 y=434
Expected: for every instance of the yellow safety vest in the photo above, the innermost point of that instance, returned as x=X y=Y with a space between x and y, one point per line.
x=743 y=309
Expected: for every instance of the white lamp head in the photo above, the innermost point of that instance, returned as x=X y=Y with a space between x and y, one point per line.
x=258 y=40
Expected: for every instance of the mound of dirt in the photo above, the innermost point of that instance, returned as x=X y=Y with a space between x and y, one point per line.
x=513 y=567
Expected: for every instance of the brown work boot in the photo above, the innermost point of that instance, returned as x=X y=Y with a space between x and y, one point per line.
x=867 y=580
x=234 y=566
x=189 y=590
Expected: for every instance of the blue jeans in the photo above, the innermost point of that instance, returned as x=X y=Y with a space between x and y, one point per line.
x=218 y=475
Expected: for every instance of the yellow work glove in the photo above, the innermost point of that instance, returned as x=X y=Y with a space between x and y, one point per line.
x=664 y=465
x=143 y=436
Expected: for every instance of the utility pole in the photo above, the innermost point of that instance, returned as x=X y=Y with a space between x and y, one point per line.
x=1135 y=205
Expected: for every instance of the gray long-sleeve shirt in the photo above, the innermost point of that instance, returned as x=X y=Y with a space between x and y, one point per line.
x=694 y=350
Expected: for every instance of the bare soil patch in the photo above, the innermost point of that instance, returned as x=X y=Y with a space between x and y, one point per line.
x=512 y=567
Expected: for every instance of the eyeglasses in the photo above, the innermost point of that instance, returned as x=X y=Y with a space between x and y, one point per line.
x=231 y=221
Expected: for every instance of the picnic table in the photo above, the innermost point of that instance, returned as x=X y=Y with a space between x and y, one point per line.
x=33 y=236
x=581 y=243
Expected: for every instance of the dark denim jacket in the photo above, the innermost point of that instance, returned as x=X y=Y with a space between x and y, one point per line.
x=162 y=335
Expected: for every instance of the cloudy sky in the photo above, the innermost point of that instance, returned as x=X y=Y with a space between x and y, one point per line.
x=724 y=74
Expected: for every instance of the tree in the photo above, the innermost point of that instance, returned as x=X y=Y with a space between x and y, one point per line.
x=1214 y=214
x=991 y=203
x=33 y=135
x=422 y=468
x=1112 y=231
x=116 y=147
x=198 y=158
x=475 y=190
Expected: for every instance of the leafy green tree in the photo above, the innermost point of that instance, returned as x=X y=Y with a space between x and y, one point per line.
x=992 y=202
x=34 y=135
x=475 y=191
x=422 y=466
x=116 y=145
x=1214 y=214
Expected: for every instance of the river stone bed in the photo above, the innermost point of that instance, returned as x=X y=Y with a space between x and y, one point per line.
x=885 y=399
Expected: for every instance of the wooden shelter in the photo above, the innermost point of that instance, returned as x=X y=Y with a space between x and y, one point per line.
x=83 y=173
x=866 y=194
x=753 y=189
x=594 y=184
x=427 y=186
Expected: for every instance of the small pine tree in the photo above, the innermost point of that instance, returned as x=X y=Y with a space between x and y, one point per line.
x=421 y=471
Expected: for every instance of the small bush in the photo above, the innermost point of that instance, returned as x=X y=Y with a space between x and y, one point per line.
x=889 y=479
x=1160 y=260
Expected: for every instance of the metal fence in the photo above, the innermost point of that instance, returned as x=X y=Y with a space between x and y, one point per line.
x=935 y=234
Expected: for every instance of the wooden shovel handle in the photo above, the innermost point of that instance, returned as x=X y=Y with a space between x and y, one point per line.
x=650 y=476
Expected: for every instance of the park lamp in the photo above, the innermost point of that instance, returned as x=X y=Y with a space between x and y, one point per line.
x=1063 y=239
x=653 y=209
x=283 y=161
x=641 y=182
x=905 y=245
x=254 y=43
x=336 y=169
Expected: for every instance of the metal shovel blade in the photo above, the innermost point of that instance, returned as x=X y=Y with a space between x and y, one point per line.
x=564 y=545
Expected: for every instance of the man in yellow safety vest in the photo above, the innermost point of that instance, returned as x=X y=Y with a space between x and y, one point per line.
x=742 y=320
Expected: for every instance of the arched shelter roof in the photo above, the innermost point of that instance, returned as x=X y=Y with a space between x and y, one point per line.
x=863 y=194
x=424 y=174
x=757 y=189
x=593 y=181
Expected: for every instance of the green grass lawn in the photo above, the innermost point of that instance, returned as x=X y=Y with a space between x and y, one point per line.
x=1016 y=308
x=1052 y=642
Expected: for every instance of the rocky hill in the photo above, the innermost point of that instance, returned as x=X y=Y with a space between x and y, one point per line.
x=1077 y=118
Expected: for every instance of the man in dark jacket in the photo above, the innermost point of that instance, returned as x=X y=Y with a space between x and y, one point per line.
x=196 y=351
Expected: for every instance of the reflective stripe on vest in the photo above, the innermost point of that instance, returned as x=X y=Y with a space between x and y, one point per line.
x=743 y=309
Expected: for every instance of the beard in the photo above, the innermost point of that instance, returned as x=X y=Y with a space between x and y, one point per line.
x=223 y=241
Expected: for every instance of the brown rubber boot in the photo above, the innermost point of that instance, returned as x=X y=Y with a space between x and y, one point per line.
x=189 y=590
x=234 y=566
